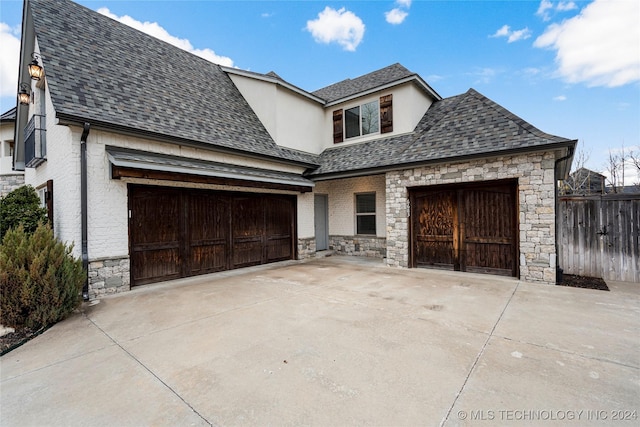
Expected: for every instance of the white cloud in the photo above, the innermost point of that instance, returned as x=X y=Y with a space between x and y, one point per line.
x=546 y=7
x=512 y=35
x=154 y=29
x=337 y=26
x=565 y=6
x=531 y=71
x=395 y=16
x=9 y=60
x=398 y=14
x=502 y=32
x=600 y=46
x=516 y=35
x=560 y=98
x=543 y=9
x=485 y=75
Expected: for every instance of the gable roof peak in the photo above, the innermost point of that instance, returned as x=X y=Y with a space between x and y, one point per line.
x=137 y=84
x=389 y=75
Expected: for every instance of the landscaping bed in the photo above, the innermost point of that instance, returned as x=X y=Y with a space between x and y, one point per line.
x=585 y=282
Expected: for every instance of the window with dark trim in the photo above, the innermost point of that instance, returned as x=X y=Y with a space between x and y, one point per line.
x=45 y=193
x=366 y=213
x=364 y=119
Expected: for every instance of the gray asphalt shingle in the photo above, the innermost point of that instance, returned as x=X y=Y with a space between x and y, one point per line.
x=9 y=115
x=102 y=71
x=457 y=127
x=371 y=80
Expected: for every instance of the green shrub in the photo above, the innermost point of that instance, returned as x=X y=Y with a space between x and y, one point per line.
x=40 y=280
x=21 y=206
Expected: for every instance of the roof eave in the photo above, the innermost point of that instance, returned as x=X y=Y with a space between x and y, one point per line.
x=273 y=80
x=413 y=78
x=407 y=165
x=68 y=119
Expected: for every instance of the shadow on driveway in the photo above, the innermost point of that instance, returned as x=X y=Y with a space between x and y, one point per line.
x=334 y=341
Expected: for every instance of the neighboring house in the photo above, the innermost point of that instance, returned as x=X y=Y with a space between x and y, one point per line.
x=584 y=182
x=9 y=178
x=625 y=189
x=162 y=165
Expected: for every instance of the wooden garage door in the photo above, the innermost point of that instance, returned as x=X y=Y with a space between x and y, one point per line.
x=179 y=233
x=465 y=228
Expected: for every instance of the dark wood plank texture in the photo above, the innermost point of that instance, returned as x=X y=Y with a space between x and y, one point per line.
x=467 y=227
x=179 y=232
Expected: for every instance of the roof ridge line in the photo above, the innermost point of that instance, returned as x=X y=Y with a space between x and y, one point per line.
x=519 y=121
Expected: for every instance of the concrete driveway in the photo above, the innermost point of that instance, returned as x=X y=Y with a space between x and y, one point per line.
x=335 y=341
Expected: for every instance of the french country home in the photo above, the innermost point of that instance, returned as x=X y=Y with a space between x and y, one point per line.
x=158 y=164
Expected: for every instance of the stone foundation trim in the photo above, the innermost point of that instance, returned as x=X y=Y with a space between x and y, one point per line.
x=10 y=182
x=306 y=248
x=109 y=276
x=375 y=247
x=536 y=210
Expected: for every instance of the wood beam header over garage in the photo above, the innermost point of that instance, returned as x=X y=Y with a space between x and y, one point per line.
x=127 y=163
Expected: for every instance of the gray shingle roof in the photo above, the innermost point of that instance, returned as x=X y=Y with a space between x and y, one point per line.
x=461 y=126
x=9 y=115
x=155 y=161
x=101 y=71
x=372 y=80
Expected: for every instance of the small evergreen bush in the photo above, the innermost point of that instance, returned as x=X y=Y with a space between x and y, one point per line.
x=40 y=280
x=21 y=206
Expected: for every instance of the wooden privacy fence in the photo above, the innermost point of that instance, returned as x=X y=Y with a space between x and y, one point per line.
x=598 y=236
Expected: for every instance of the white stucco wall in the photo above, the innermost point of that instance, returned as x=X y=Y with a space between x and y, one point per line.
x=292 y=120
x=409 y=105
x=341 y=196
x=6 y=136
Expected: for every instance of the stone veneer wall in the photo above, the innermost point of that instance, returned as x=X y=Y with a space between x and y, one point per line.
x=109 y=276
x=375 y=247
x=8 y=183
x=306 y=248
x=536 y=206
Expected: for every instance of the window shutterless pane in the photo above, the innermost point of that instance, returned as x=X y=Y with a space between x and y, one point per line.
x=366 y=224
x=352 y=122
x=365 y=203
x=370 y=118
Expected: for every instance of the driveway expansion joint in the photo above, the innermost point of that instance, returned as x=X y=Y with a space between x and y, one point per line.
x=571 y=353
x=145 y=367
x=480 y=353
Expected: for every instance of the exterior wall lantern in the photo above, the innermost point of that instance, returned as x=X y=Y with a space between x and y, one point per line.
x=35 y=70
x=24 y=97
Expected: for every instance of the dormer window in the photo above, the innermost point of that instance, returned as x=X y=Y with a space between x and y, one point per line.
x=364 y=119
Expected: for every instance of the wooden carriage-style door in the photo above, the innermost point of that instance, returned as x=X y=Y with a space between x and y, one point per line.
x=465 y=228
x=177 y=232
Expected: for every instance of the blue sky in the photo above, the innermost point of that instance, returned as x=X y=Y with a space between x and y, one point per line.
x=570 y=68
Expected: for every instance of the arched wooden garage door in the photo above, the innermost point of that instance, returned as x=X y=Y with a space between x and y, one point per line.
x=177 y=233
x=470 y=227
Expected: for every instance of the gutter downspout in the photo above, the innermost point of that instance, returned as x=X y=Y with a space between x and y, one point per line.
x=83 y=208
x=557 y=206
